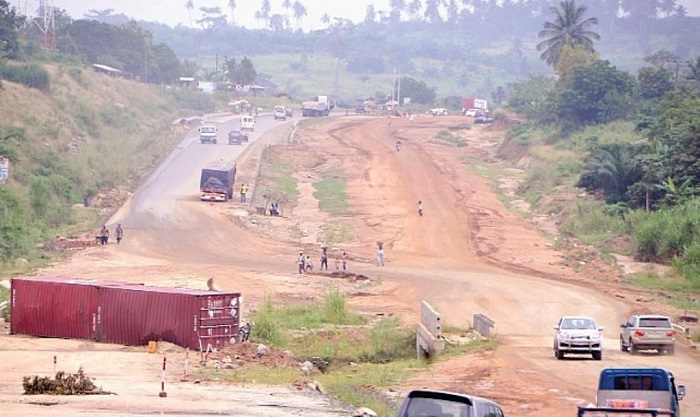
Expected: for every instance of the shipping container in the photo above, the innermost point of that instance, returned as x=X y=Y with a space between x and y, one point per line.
x=124 y=313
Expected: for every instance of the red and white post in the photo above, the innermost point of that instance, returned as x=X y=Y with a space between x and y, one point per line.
x=163 y=394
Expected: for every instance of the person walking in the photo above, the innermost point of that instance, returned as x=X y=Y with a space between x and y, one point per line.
x=345 y=261
x=398 y=145
x=324 y=259
x=104 y=235
x=420 y=208
x=309 y=264
x=119 y=233
x=301 y=262
x=380 y=256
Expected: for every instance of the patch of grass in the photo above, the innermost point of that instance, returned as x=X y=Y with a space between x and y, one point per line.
x=461 y=126
x=451 y=138
x=338 y=232
x=253 y=375
x=330 y=191
x=590 y=222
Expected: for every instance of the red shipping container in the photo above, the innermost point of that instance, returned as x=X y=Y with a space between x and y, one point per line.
x=135 y=315
x=130 y=314
x=54 y=307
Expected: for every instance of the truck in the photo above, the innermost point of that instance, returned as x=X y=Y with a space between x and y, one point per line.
x=207 y=134
x=319 y=106
x=472 y=106
x=635 y=392
x=216 y=181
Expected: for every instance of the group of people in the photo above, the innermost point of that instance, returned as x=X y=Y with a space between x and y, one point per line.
x=103 y=237
x=306 y=265
x=274 y=209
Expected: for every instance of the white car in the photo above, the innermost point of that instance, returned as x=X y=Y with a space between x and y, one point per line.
x=437 y=112
x=578 y=335
x=473 y=112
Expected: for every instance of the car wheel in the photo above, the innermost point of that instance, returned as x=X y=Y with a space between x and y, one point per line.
x=623 y=347
x=632 y=348
x=597 y=355
x=671 y=350
x=559 y=354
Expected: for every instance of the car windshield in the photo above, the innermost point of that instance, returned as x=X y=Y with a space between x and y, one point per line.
x=577 y=324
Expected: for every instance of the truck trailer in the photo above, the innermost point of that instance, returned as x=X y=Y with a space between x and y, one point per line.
x=319 y=106
x=474 y=104
x=216 y=182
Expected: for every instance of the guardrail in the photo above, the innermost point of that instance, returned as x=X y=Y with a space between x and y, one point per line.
x=3 y=306
x=429 y=339
x=483 y=325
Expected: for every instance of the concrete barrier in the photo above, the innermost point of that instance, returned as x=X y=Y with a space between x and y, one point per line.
x=429 y=341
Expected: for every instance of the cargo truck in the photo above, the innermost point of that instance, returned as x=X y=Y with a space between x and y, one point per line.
x=635 y=392
x=216 y=182
x=319 y=106
x=473 y=106
x=207 y=134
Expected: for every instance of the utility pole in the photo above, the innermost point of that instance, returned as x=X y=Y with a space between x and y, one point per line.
x=398 y=91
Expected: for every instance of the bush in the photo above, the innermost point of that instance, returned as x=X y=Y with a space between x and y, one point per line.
x=31 y=75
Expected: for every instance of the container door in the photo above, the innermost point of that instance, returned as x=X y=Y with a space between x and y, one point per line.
x=219 y=320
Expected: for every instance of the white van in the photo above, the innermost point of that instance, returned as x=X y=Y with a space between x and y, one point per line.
x=248 y=123
x=280 y=113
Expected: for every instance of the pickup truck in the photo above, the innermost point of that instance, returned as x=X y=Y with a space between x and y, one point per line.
x=635 y=392
x=648 y=332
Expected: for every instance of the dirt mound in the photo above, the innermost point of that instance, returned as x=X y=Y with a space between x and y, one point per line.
x=247 y=354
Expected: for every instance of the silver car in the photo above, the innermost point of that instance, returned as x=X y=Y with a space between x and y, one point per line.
x=578 y=335
x=648 y=332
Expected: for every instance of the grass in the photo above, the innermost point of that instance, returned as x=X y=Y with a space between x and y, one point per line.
x=364 y=357
x=339 y=231
x=330 y=191
x=451 y=138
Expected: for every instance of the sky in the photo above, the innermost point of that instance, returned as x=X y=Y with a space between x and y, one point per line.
x=174 y=12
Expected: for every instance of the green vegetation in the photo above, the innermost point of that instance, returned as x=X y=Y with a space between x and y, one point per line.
x=362 y=356
x=338 y=231
x=450 y=137
x=32 y=75
x=330 y=191
x=89 y=133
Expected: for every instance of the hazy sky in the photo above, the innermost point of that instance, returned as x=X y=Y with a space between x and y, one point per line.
x=172 y=12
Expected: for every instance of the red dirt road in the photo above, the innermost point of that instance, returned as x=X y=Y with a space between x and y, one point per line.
x=468 y=254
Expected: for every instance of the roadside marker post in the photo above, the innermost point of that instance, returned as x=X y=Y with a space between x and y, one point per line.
x=163 y=394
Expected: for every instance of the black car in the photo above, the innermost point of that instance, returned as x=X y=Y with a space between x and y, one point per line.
x=236 y=137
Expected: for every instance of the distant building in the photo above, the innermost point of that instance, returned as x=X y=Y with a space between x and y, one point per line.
x=206 y=86
x=188 y=83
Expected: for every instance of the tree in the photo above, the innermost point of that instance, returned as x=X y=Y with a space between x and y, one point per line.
x=599 y=93
x=432 y=11
x=532 y=97
x=612 y=169
x=10 y=23
x=571 y=57
x=418 y=91
x=232 y=6
x=397 y=7
x=570 y=27
x=299 y=13
x=654 y=83
x=189 y=6
x=370 y=14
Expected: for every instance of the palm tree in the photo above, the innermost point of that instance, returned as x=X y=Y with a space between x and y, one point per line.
x=232 y=6
x=190 y=6
x=299 y=12
x=569 y=28
x=326 y=19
